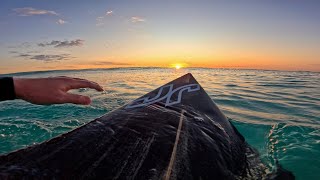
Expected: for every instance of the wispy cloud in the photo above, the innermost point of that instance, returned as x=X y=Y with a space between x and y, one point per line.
x=13 y=52
x=101 y=63
x=26 y=51
x=59 y=44
x=61 y=22
x=137 y=19
x=24 y=55
x=45 y=57
x=29 y=11
x=100 y=19
x=99 y=24
x=109 y=13
x=50 y=58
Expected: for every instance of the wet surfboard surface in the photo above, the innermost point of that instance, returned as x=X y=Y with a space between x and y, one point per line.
x=173 y=132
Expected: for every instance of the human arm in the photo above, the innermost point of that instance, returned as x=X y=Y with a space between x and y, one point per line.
x=52 y=90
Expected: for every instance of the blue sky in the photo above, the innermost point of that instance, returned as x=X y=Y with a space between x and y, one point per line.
x=235 y=34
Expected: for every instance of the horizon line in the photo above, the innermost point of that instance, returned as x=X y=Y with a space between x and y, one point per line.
x=152 y=67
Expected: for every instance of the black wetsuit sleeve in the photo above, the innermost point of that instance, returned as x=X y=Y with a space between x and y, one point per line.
x=7 y=89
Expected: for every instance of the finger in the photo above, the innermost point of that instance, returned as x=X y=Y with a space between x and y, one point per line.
x=75 y=83
x=82 y=83
x=76 y=99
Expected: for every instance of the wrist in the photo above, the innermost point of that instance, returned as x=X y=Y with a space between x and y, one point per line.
x=7 y=89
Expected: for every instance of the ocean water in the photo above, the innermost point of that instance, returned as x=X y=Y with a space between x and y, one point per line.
x=278 y=112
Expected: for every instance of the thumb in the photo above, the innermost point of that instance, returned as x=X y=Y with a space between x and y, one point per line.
x=77 y=99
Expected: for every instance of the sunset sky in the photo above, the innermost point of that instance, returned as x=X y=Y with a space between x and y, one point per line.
x=77 y=34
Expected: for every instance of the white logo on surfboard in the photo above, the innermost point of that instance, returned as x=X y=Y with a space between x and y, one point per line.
x=167 y=97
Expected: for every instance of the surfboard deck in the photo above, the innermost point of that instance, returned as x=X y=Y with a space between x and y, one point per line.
x=173 y=132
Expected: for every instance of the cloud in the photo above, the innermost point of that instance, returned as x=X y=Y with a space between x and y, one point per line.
x=109 y=13
x=13 y=52
x=101 y=63
x=50 y=58
x=61 y=66
x=24 y=55
x=100 y=18
x=100 y=24
x=137 y=19
x=61 y=22
x=29 y=11
x=45 y=57
x=99 y=21
x=58 y=44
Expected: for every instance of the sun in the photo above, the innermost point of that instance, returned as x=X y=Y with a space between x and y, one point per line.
x=177 y=66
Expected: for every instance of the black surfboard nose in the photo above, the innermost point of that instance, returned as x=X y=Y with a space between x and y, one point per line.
x=187 y=78
x=173 y=132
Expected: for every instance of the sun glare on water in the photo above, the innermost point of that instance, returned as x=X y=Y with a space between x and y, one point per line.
x=177 y=66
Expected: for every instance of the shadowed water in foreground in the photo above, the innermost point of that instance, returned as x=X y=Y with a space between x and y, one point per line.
x=277 y=112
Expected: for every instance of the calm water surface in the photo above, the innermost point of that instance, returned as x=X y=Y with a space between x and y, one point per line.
x=277 y=112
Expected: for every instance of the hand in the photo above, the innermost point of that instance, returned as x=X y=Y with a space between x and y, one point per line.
x=53 y=90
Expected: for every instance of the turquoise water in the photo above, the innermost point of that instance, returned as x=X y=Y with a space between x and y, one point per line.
x=277 y=112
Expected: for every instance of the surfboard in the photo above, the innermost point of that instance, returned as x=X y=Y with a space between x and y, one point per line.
x=173 y=132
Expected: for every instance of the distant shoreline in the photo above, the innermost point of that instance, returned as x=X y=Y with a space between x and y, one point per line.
x=116 y=68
